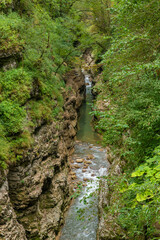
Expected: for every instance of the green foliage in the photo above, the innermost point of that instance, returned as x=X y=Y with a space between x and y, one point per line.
x=10 y=39
x=130 y=120
x=12 y=117
x=141 y=196
x=5 y=4
x=16 y=85
x=111 y=126
x=5 y=148
x=36 y=50
x=131 y=80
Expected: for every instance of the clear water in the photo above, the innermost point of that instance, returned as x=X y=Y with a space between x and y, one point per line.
x=86 y=132
x=82 y=218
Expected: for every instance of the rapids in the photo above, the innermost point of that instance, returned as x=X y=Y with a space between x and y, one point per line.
x=82 y=218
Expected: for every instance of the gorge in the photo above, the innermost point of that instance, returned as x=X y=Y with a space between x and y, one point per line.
x=62 y=177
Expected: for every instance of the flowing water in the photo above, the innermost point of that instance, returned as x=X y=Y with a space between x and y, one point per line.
x=86 y=132
x=82 y=218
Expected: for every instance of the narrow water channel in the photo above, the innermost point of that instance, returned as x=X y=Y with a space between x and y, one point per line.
x=89 y=163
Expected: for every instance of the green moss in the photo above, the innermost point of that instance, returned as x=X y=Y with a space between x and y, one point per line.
x=5 y=3
x=10 y=39
x=12 y=116
x=40 y=111
x=16 y=84
x=40 y=38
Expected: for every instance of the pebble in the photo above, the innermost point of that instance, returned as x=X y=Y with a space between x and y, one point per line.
x=80 y=160
x=76 y=166
x=101 y=149
x=85 y=179
x=73 y=177
x=90 y=156
x=72 y=166
x=87 y=162
x=85 y=167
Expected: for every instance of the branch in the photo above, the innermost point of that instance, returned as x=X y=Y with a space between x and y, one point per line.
x=63 y=62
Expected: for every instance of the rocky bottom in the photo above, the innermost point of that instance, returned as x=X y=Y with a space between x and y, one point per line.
x=88 y=164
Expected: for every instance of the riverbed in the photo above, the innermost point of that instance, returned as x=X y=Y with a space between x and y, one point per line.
x=89 y=164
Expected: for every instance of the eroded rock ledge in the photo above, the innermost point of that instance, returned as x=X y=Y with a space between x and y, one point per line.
x=34 y=192
x=108 y=228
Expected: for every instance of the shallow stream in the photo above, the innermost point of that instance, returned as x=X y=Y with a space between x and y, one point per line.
x=89 y=163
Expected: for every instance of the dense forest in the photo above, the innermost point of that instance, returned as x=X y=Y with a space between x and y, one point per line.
x=129 y=86
x=40 y=41
x=37 y=48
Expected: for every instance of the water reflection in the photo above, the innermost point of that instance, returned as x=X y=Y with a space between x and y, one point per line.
x=86 y=132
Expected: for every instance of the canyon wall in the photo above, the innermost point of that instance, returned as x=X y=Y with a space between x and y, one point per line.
x=34 y=191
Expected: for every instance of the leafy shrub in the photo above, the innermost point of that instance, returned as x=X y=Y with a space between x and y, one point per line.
x=10 y=39
x=130 y=83
x=40 y=37
x=141 y=197
x=12 y=116
x=16 y=84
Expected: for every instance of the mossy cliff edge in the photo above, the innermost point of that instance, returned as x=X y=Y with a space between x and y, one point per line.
x=34 y=191
x=39 y=99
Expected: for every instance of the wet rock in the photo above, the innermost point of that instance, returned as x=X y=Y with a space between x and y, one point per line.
x=108 y=227
x=87 y=162
x=73 y=177
x=77 y=166
x=9 y=226
x=101 y=149
x=85 y=179
x=85 y=167
x=90 y=156
x=72 y=166
x=38 y=188
x=80 y=160
x=71 y=151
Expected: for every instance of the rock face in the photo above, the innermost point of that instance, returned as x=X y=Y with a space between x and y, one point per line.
x=9 y=226
x=34 y=193
x=108 y=228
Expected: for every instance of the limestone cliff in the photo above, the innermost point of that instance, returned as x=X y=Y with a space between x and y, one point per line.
x=34 y=192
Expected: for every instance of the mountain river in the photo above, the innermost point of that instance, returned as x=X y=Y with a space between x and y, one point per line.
x=81 y=221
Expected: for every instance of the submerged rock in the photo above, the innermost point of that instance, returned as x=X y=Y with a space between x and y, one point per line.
x=85 y=179
x=85 y=167
x=90 y=156
x=76 y=166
